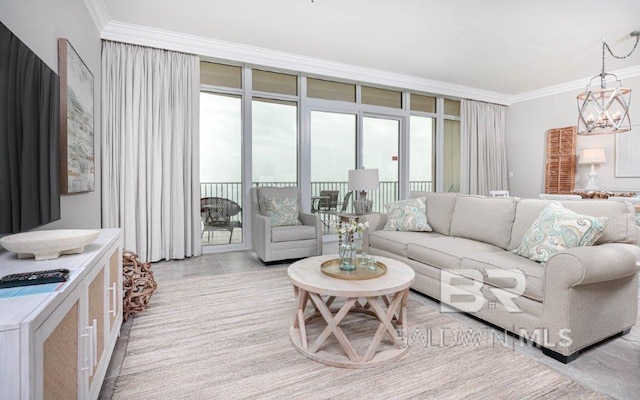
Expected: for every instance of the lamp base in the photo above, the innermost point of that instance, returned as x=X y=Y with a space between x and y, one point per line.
x=361 y=207
x=591 y=184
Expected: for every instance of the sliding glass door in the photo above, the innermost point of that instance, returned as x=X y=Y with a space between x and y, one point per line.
x=381 y=150
x=421 y=153
x=333 y=154
x=221 y=168
x=274 y=142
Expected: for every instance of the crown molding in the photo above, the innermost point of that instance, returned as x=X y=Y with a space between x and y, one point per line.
x=235 y=52
x=99 y=13
x=578 y=84
x=257 y=56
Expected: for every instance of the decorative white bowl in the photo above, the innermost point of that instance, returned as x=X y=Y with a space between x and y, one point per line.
x=46 y=245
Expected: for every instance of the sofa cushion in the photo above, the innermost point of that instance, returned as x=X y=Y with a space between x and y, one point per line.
x=439 y=209
x=486 y=219
x=504 y=260
x=396 y=242
x=556 y=229
x=407 y=215
x=446 y=252
x=620 y=228
x=290 y=233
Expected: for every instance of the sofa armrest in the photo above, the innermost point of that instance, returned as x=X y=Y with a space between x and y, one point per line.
x=590 y=293
x=376 y=223
x=592 y=264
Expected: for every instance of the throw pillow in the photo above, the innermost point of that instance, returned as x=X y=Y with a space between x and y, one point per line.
x=407 y=215
x=556 y=229
x=281 y=212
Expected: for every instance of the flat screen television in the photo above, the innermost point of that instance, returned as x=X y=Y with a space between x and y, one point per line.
x=29 y=138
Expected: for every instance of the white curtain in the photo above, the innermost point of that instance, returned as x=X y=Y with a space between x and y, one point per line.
x=484 y=157
x=150 y=163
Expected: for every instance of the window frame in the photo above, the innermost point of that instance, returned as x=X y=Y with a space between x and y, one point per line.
x=305 y=105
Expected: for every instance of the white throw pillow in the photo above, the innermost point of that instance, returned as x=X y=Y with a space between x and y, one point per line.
x=556 y=229
x=407 y=215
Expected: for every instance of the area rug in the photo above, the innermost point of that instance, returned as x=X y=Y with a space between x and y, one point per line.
x=227 y=337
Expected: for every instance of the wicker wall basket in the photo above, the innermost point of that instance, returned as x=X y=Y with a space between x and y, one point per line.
x=138 y=284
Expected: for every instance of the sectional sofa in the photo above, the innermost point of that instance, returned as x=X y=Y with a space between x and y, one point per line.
x=580 y=297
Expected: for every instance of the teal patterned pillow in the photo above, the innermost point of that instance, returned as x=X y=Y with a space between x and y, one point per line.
x=281 y=211
x=556 y=229
x=407 y=215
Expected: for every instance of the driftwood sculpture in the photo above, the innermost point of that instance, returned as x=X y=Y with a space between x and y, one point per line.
x=138 y=284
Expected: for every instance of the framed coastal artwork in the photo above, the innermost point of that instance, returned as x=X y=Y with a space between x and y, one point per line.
x=77 y=158
x=627 y=151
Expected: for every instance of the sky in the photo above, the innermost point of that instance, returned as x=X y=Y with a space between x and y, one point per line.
x=333 y=143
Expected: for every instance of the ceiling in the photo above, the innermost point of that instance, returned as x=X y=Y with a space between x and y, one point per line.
x=504 y=46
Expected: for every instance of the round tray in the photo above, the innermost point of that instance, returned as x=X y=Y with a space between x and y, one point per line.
x=332 y=268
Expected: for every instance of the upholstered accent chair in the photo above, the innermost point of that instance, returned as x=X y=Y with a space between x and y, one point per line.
x=274 y=242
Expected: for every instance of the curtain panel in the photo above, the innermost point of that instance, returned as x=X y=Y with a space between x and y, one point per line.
x=150 y=162
x=484 y=156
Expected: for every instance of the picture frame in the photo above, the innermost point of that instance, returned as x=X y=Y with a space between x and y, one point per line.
x=77 y=151
x=627 y=148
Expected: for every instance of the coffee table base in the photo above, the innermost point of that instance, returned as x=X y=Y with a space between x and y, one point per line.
x=389 y=310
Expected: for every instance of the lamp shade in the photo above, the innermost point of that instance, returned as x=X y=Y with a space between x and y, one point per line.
x=363 y=179
x=592 y=156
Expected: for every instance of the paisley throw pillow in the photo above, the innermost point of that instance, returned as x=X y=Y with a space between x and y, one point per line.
x=407 y=215
x=281 y=212
x=556 y=229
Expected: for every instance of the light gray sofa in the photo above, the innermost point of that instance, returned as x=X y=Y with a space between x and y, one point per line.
x=274 y=243
x=579 y=297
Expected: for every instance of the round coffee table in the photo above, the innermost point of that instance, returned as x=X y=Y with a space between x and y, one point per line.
x=384 y=298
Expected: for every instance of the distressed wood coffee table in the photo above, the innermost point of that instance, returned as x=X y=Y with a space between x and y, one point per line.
x=384 y=298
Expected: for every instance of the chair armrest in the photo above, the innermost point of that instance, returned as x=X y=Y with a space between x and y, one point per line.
x=312 y=220
x=376 y=223
x=592 y=264
x=261 y=235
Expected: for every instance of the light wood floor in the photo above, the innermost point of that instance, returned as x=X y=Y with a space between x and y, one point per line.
x=611 y=368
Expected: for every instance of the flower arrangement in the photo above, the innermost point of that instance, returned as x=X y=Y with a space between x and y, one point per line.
x=347 y=230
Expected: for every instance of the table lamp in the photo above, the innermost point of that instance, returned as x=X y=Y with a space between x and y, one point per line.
x=593 y=157
x=363 y=180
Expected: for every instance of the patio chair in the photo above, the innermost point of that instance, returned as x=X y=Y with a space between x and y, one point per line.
x=327 y=204
x=328 y=200
x=274 y=243
x=218 y=215
x=345 y=202
x=340 y=208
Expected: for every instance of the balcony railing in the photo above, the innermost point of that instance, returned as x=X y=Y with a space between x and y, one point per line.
x=387 y=193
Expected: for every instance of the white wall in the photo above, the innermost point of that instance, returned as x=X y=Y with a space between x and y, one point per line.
x=39 y=24
x=527 y=123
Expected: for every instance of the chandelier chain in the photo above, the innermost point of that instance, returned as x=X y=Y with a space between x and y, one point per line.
x=621 y=57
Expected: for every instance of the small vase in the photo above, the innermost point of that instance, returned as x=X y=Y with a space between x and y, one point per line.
x=348 y=254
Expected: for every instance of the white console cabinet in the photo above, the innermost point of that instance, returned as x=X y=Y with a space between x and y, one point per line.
x=58 y=345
